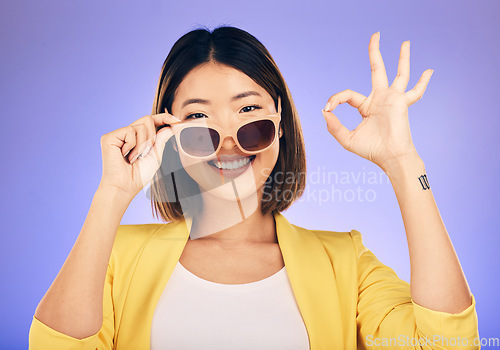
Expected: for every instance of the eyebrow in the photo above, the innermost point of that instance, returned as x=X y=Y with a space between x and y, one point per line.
x=207 y=102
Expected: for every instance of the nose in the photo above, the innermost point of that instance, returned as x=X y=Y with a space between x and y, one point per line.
x=228 y=143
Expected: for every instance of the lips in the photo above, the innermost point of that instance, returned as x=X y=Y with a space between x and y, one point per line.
x=227 y=157
x=231 y=163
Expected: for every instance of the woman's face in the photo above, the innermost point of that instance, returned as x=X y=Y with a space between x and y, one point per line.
x=229 y=96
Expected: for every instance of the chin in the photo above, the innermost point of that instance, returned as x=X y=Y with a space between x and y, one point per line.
x=233 y=188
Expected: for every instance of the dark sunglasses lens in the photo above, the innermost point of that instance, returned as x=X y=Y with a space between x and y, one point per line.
x=257 y=135
x=199 y=141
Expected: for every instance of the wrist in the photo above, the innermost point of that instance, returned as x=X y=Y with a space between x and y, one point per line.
x=404 y=166
x=114 y=193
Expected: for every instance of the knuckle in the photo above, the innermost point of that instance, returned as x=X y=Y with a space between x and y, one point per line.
x=106 y=136
x=139 y=129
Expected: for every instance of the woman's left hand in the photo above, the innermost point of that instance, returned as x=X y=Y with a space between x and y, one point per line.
x=383 y=136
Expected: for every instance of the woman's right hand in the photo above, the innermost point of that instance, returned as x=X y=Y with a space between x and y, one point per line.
x=131 y=155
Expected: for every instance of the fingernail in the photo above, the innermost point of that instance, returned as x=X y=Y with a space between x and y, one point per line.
x=172 y=115
x=134 y=159
x=327 y=107
x=127 y=152
x=168 y=120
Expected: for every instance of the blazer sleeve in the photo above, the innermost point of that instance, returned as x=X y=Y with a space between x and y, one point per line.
x=387 y=317
x=42 y=337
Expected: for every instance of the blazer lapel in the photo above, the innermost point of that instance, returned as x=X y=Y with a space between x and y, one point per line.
x=307 y=264
x=313 y=283
x=155 y=266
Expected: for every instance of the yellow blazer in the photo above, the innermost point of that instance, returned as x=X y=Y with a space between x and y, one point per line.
x=347 y=298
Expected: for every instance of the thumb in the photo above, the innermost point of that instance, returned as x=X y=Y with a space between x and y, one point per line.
x=335 y=127
x=149 y=164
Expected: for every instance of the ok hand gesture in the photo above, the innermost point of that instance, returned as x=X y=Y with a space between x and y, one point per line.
x=383 y=136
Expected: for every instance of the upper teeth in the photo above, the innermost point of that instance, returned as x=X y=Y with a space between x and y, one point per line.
x=235 y=164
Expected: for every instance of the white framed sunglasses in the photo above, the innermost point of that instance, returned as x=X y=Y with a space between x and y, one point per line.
x=202 y=138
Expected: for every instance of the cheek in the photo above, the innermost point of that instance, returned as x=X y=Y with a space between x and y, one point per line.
x=265 y=163
x=192 y=166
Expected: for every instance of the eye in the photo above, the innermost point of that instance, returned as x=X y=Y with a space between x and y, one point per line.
x=196 y=116
x=251 y=108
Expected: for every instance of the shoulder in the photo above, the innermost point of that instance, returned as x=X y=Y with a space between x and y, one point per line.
x=340 y=242
x=131 y=239
x=350 y=242
x=335 y=237
x=130 y=234
x=343 y=248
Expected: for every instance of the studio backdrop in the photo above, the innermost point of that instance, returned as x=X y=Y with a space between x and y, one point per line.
x=73 y=71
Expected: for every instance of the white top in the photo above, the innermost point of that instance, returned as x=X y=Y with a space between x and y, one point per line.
x=194 y=314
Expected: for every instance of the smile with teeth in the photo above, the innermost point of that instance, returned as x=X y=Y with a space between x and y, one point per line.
x=232 y=165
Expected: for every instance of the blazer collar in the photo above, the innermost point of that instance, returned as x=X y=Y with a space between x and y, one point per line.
x=308 y=267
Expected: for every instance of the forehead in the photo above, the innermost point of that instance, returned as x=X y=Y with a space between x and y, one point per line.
x=216 y=82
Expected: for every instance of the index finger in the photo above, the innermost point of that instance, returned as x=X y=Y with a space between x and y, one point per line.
x=161 y=119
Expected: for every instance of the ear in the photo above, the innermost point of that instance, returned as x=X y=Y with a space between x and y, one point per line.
x=280 y=132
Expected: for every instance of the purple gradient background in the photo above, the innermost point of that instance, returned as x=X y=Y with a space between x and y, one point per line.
x=71 y=72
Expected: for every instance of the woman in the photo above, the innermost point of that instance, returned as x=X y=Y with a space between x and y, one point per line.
x=224 y=153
